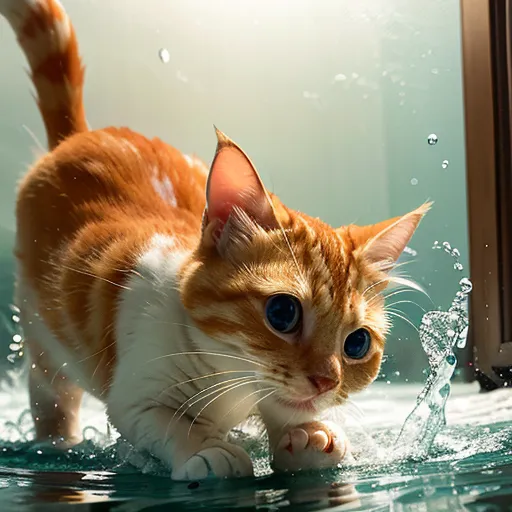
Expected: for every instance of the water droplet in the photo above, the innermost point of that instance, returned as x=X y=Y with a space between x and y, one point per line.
x=164 y=55
x=432 y=139
x=15 y=318
x=447 y=246
x=39 y=452
x=466 y=285
x=451 y=359
x=445 y=390
x=414 y=181
x=33 y=366
x=14 y=347
x=340 y=77
x=16 y=338
x=455 y=253
x=445 y=164
x=463 y=336
x=458 y=266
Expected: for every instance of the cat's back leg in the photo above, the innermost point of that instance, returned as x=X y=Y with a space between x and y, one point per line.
x=54 y=398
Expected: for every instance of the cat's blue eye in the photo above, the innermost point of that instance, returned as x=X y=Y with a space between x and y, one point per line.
x=357 y=344
x=284 y=313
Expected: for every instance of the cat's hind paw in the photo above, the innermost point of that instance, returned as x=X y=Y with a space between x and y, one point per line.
x=314 y=445
x=220 y=460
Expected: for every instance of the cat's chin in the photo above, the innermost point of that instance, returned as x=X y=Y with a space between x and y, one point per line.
x=306 y=405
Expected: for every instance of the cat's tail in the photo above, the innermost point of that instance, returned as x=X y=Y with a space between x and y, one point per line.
x=47 y=38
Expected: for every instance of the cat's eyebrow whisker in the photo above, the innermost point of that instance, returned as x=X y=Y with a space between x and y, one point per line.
x=217 y=397
x=405 y=302
x=202 y=352
x=370 y=287
x=388 y=294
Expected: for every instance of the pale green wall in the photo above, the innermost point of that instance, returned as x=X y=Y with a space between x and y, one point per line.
x=264 y=72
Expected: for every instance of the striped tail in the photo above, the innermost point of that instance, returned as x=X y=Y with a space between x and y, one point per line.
x=48 y=40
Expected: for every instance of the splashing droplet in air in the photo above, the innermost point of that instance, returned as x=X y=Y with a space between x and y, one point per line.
x=432 y=139
x=445 y=164
x=410 y=251
x=466 y=285
x=164 y=55
x=414 y=181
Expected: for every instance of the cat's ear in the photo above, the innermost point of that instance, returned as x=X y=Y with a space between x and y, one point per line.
x=383 y=243
x=233 y=183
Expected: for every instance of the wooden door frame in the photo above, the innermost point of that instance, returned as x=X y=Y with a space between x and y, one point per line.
x=487 y=73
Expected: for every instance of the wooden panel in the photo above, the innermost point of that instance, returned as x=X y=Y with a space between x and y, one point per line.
x=486 y=302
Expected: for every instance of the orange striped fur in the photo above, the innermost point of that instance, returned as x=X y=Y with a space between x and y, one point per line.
x=145 y=280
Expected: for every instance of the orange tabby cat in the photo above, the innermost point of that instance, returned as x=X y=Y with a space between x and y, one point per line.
x=184 y=299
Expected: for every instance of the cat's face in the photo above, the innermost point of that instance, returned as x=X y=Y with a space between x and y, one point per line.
x=300 y=298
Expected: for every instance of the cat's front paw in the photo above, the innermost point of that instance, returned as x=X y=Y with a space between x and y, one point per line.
x=313 y=445
x=217 y=459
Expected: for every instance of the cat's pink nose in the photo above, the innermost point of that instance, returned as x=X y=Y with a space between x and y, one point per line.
x=322 y=384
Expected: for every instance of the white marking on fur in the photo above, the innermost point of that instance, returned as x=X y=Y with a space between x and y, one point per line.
x=165 y=189
x=152 y=329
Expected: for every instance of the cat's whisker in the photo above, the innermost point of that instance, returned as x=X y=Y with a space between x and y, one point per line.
x=190 y=402
x=408 y=283
x=370 y=287
x=217 y=397
x=404 y=302
x=202 y=352
x=206 y=392
x=386 y=295
x=209 y=375
x=405 y=319
x=94 y=276
x=351 y=404
x=249 y=395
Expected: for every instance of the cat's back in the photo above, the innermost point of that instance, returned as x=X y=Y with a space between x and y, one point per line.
x=86 y=212
x=113 y=177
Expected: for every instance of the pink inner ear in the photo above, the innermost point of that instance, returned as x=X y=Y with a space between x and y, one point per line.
x=233 y=181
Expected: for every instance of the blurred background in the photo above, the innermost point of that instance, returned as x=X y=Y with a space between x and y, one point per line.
x=334 y=100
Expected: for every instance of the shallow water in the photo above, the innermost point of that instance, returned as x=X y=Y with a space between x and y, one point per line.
x=416 y=448
x=469 y=465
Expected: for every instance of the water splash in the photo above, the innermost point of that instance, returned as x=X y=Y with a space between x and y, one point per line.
x=440 y=332
x=17 y=342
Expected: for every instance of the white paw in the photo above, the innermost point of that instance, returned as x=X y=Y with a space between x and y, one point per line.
x=220 y=460
x=314 y=445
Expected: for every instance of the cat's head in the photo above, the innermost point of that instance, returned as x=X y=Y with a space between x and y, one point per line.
x=302 y=299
